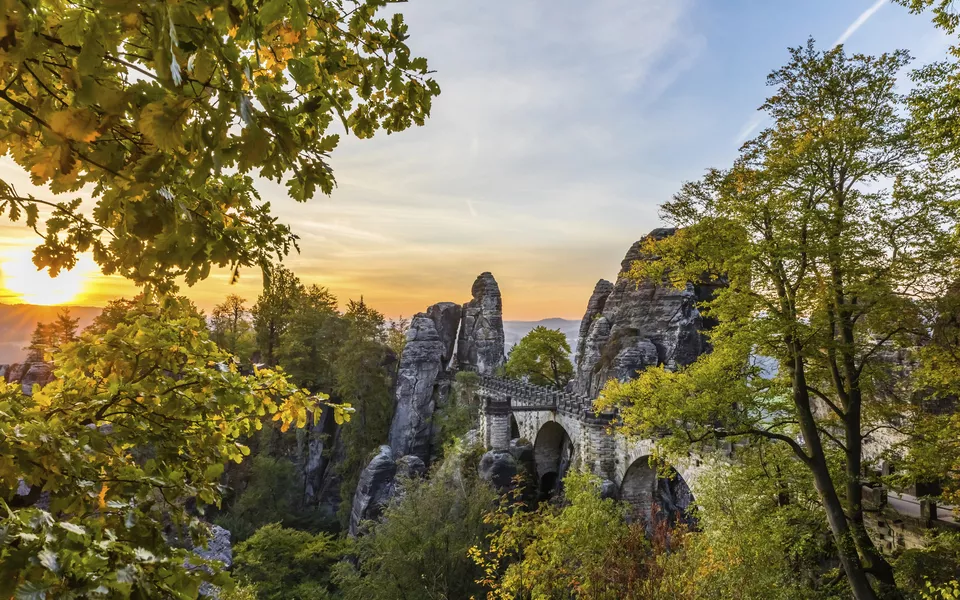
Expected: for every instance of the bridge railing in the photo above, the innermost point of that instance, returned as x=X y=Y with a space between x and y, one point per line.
x=525 y=396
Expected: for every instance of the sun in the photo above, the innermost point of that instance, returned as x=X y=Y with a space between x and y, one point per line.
x=21 y=277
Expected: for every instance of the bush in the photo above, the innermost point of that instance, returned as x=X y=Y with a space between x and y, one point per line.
x=938 y=563
x=419 y=549
x=287 y=564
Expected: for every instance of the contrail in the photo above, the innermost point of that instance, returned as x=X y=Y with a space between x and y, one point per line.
x=858 y=23
x=751 y=126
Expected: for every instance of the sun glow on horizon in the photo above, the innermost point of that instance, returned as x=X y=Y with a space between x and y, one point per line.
x=22 y=280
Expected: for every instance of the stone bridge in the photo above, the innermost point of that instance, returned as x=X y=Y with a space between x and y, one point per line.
x=566 y=432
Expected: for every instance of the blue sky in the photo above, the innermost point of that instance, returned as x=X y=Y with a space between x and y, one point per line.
x=561 y=126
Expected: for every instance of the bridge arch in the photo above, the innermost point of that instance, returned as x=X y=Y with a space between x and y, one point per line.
x=514 y=427
x=553 y=453
x=655 y=495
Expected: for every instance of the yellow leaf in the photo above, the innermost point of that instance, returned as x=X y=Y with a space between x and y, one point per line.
x=78 y=124
x=50 y=160
x=103 y=495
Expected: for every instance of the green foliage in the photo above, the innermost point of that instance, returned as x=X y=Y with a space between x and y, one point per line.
x=230 y=326
x=762 y=520
x=831 y=231
x=287 y=564
x=419 y=550
x=396 y=333
x=461 y=412
x=168 y=109
x=363 y=379
x=271 y=314
x=557 y=552
x=65 y=327
x=139 y=421
x=935 y=565
x=542 y=356
x=273 y=494
x=583 y=548
x=309 y=334
x=750 y=544
x=48 y=336
x=42 y=341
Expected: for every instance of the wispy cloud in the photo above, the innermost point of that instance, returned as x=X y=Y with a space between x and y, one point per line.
x=859 y=22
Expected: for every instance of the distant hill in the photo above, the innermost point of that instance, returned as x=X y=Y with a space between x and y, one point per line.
x=17 y=322
x=513 y=331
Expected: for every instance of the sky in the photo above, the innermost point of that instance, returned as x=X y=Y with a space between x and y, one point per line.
x=561 y=127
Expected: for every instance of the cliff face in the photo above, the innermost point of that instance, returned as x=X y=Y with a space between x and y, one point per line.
x=480 y=343
x=628 y=327
x=475 y=334
x=420 y=364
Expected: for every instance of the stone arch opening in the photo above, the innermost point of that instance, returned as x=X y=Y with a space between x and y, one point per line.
x=514 y=427
x=652 y=495
x=553 y=453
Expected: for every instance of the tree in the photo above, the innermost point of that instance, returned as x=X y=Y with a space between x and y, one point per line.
x=281 y=292
x=42 y=342
x=542 y=356
x=280 y=563
x=135 y=428
x=396 y=333
x=230 y=327
x=362 y=378
x=114 y=313
x=65 y=328
x=831 y=231
x=167 y=109
x=310 y=332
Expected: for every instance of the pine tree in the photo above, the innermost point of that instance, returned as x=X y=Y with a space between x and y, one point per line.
x=65 y=327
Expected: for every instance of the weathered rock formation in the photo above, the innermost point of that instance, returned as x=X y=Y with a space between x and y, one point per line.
x=631 y=327
x=27 y=374
x=379 y=484
x=500 y=467
x=420 y=364
x=480 y=343
x=446 y=318
x=594 y=309
x=374 y=489
x=424 y=380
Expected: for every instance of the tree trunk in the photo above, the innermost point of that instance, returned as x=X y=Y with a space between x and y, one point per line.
x=875 y=563
x=817 y=463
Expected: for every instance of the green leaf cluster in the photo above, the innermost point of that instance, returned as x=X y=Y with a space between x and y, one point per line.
x=166 y=111
x=135 y=429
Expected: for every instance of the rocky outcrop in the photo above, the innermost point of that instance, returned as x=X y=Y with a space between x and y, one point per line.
x=374 y=489
x=27 y=374
x=480 y=343
x=379 y=484
x=218 y=547
x=595 y=305
x=636 y=326
x=446 y=318
x=498 y=467
x=420 y=363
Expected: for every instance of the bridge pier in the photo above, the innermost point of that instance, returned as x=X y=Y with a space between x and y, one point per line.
x=496 y=422
x=598 y=446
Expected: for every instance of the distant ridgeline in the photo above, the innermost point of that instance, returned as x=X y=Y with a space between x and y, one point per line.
x=17 y=322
